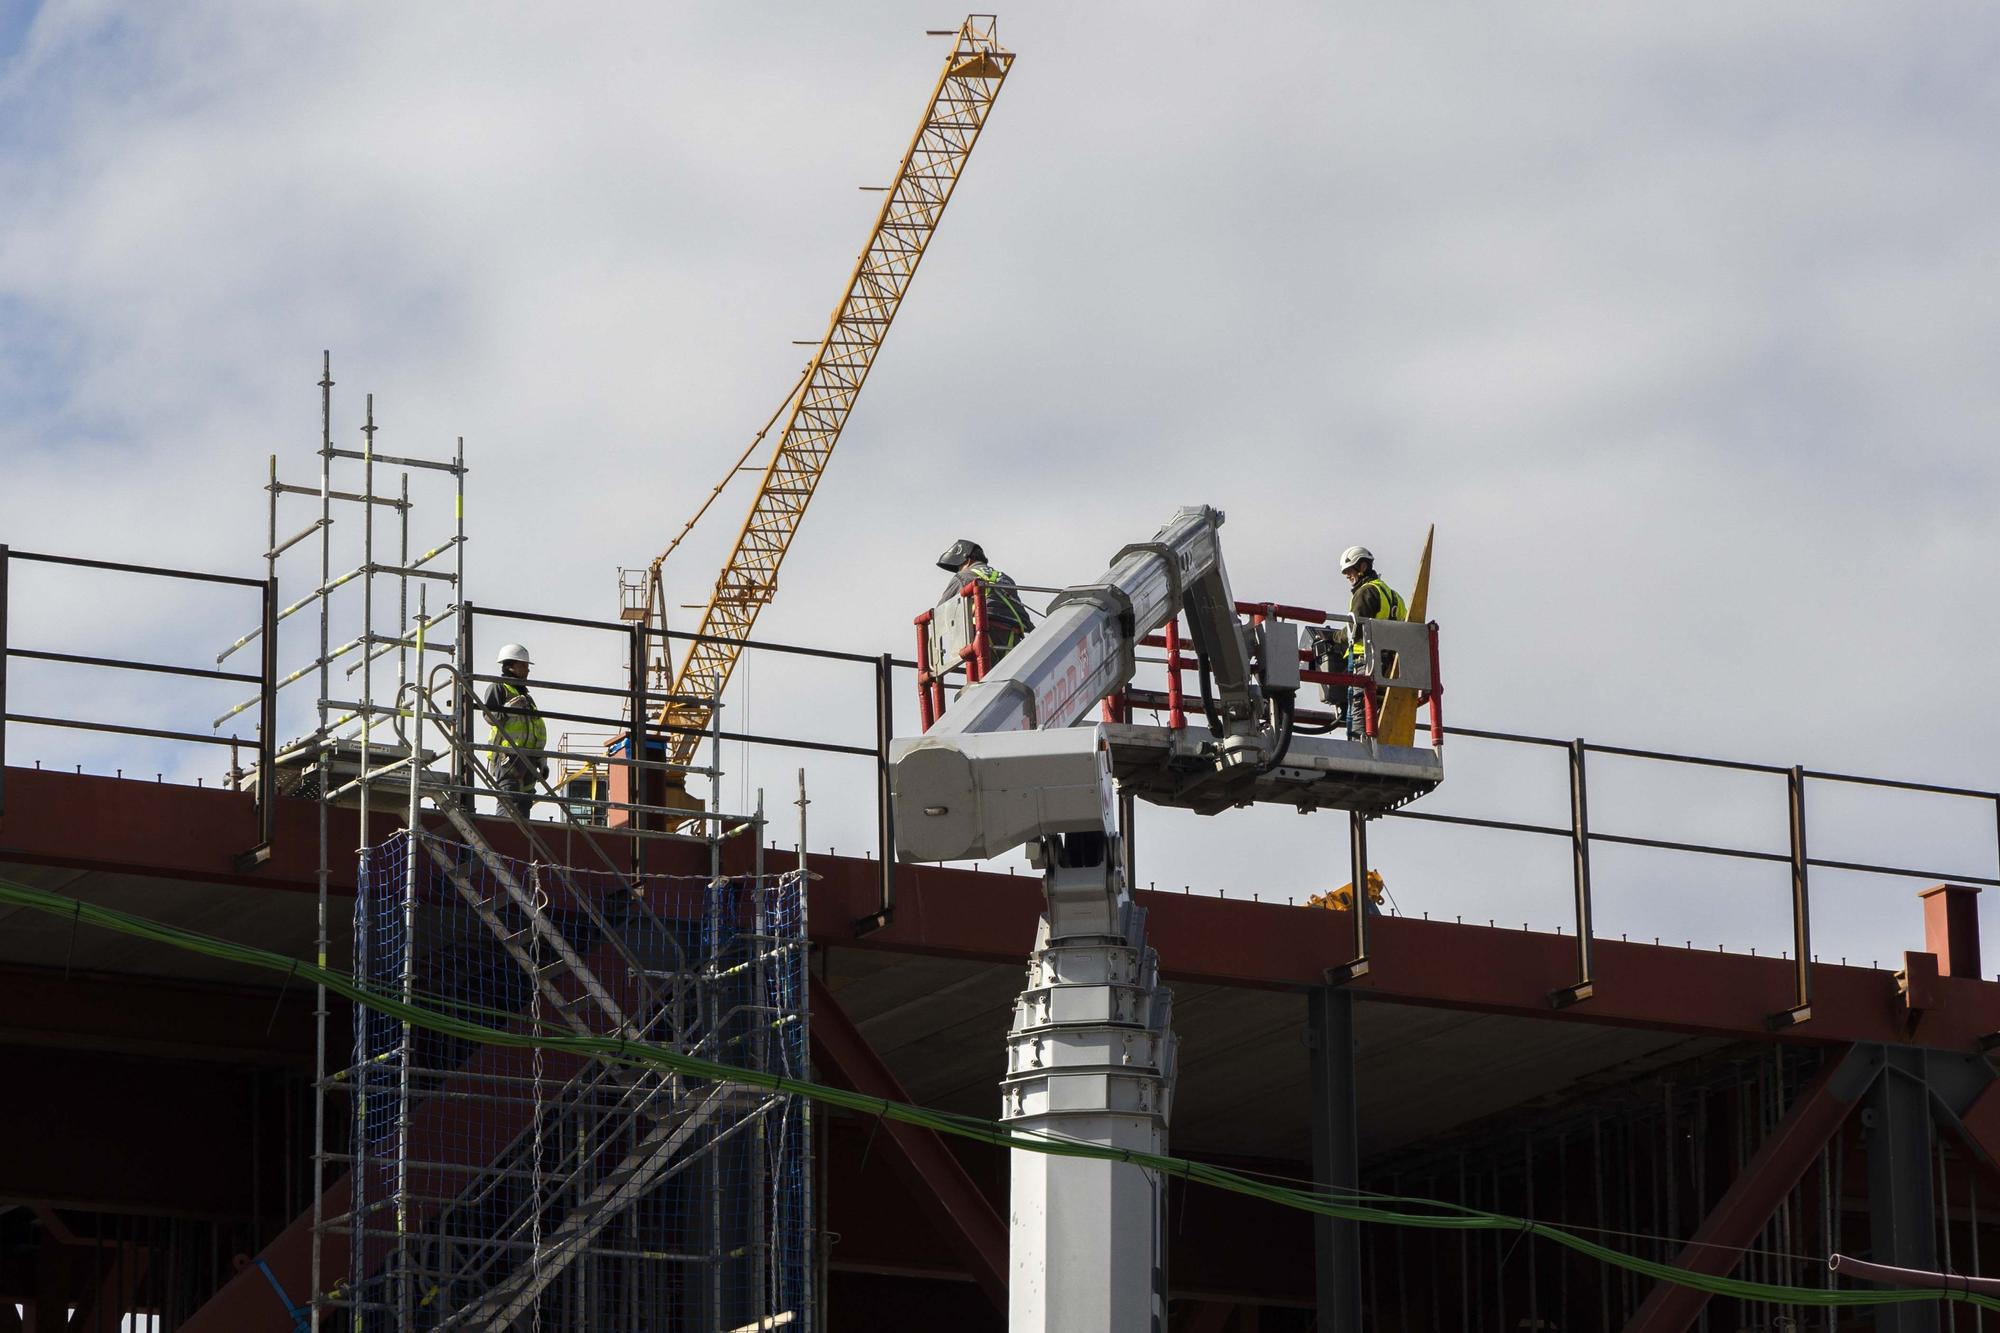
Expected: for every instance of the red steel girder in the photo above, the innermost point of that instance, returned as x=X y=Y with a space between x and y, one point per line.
x=1717 y=1246
x=144 y=828
x=943 y=1187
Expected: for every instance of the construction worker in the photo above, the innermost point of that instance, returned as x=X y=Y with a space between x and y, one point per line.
x=1372 y=599
x=1007 y=620
x=516 y=726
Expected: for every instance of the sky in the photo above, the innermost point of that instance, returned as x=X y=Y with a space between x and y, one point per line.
x=1679 y=323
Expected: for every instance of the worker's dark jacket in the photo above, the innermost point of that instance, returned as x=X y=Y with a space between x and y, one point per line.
x=1375 y=600
x=1007 y=620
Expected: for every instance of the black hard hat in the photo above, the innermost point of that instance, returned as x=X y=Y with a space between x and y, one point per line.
x=960 y=551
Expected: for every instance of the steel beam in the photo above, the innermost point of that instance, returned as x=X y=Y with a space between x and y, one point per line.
x=963 y=1215
x=1335 y=1153
x=1716 y=1247
x=1902 y=1222
x=144 y=828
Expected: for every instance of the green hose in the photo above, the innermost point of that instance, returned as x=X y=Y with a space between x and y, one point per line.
x=1357 y=1206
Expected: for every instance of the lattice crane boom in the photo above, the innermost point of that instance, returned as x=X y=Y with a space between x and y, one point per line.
x=914 y=202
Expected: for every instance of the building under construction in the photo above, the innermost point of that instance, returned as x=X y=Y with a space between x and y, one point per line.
x=392 y=1022
x=1715 y=1112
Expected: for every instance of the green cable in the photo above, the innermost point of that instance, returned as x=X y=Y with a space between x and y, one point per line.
x=1356 y=1206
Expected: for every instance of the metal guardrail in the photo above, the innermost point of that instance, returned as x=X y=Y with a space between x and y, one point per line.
x=1577 y=828
x=641 y=734
x=1797 y=857
x=265 y=678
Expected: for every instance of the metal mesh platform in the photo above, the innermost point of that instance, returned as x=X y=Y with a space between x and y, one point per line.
x=1318 y=773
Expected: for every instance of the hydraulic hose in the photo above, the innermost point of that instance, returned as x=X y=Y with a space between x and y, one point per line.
x=1285 y=705
x=1202 y=675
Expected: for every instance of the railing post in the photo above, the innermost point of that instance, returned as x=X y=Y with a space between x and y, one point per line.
x=1176 y=717
x=982 y=643
x=926 y=710
x=267 y=732
x=463 y=704
x=1357 y=855
x=1801 y=1010
x=636 y=749
x=885 y=808
x=6 y=562
x=267 y=721
x=1579 y=842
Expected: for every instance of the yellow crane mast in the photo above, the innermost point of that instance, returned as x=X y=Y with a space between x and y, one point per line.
x=818 y=408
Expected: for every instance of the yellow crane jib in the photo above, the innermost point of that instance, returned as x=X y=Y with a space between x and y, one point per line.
x=819 y=407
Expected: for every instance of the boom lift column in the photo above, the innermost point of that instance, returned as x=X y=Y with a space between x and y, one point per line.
x=1091 y=1053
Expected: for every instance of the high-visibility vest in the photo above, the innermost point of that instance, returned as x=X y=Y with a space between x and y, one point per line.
x=1006 y=619
x=1391 y=608
x=520 y=726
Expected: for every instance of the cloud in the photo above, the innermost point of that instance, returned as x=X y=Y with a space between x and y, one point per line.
x=1678 y=323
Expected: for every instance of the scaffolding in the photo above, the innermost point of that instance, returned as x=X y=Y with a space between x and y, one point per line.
x=495 y=1187
x=464 y=1185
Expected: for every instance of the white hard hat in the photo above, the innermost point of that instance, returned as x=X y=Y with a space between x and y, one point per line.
x=1353 y=556
x=513 y=652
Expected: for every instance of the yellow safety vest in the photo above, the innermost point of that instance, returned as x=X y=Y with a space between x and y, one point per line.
x=518 y=728
x=1391 y=608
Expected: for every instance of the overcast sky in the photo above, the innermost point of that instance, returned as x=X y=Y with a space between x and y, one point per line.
x=1680 y=322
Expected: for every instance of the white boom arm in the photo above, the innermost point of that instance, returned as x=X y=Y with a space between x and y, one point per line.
x=1090 y=1051
x=975 y=786
x=1085 y=646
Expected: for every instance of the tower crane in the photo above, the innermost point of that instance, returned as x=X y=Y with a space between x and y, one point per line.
x=818 y=407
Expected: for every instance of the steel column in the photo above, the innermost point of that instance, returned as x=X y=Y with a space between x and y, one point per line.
x=1763 y=1183
x=1357 y=869
x=1951 y=928
x=1902 y=1221
x=1335 y=1153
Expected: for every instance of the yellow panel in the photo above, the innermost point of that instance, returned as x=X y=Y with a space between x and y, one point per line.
x=1398 y=723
